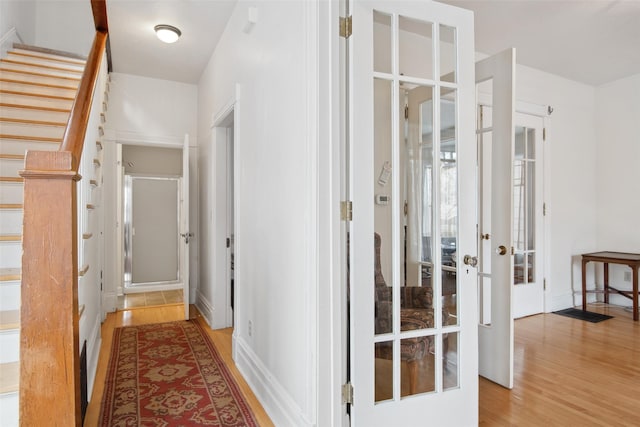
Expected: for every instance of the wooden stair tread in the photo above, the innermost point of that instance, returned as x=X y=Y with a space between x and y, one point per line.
x=10 y=274
x=9 y=319
x=9 y=377
x=11 y=206
x=35 y=107
x=31 y=122
x=12 y=156
x=69 y=61
x=11 y=179
x=33 y=73
x=32 y=138
x=47 y=85
x=37 y=95
x=50 y=52
x=10 y=238
x=46 y=67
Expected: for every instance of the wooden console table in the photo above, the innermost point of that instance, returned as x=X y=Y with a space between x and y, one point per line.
x=631 y=260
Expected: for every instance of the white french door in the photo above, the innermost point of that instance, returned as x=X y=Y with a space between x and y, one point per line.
x=413 y=323
x=495 y=136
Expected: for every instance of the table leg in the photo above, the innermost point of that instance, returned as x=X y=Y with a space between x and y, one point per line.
x=635 y=293
x=584 y=285
x=606 y=283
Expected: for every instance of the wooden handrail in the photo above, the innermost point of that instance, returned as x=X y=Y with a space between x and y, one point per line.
x=49 y=315
x=73 y=139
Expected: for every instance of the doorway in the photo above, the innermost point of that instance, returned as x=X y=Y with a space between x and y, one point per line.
x=152 y=187
x=224 y=244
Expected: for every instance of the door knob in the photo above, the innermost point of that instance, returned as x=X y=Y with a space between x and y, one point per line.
x=501 y=250
x=471 y=261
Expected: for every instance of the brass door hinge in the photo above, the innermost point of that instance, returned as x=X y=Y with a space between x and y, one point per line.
x=544 y=134
x=346 y=26
x=346 y=210
x=347 y=393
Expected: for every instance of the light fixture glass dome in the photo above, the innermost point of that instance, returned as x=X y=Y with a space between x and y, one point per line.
x=167 y=33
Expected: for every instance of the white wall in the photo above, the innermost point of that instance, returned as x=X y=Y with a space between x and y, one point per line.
x=65 y=25
x=570 y=154
x=17 y=23
x=617 y=173
x=276 y=192
x=152 y=112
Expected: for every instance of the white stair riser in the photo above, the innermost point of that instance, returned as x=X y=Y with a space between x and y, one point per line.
x=10 y=254
x=10 y=296
x=29 y=114
x=9 y=346
x=11 y=221
x=40 y=70
x=34 y=101
x=24 y=129
x=9 y=409
x=38 y=79
x=10 y=167
x=11 y=192
x=10 y=146
x=40 y=90
x=48 y=55
x=44 y=61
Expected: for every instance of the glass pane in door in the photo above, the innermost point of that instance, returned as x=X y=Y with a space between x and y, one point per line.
x=416 y=48
x=450 y=360
x=383 y=354
x=381 y=42
x=416 y=292
x=524 y=227
x=418 y=365
x=448 y=54
x=448 y=205
x=383 y=212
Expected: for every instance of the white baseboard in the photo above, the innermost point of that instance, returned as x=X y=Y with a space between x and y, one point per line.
x=279 y=405
x=205 y=308
x=93 y=353
x=562 y=301
x=7 y=41
x=109 y=302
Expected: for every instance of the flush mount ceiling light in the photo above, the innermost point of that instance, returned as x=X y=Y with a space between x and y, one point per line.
x=167 y=33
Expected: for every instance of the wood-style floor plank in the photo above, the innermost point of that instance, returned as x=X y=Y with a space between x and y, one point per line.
x=570 y=372
x=158 y=314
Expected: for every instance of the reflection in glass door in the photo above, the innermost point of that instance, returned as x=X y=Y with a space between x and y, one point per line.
x=425 y=194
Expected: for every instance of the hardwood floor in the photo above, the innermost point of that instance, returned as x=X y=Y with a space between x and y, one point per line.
x=150 y=299
x=221 y=339
x=567 y=372
x=570 y=372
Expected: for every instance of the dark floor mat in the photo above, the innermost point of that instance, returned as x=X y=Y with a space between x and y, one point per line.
x=576 y=313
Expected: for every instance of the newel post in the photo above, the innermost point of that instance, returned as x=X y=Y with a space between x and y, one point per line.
x=49 y=351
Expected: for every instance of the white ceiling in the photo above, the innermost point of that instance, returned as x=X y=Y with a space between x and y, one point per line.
x=136 y=50
x=591 y=41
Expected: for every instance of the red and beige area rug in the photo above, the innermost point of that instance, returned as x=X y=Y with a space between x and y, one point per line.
x=170 y=374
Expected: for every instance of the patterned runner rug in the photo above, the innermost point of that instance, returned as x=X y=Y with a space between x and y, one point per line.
x=170 y=374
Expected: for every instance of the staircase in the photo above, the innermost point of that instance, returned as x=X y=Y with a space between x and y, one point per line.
x=37 y=89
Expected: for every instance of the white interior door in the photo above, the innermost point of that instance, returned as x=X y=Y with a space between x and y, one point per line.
x=528 y=227
x=184 y=227
x=413 y=357
x=495 y=136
